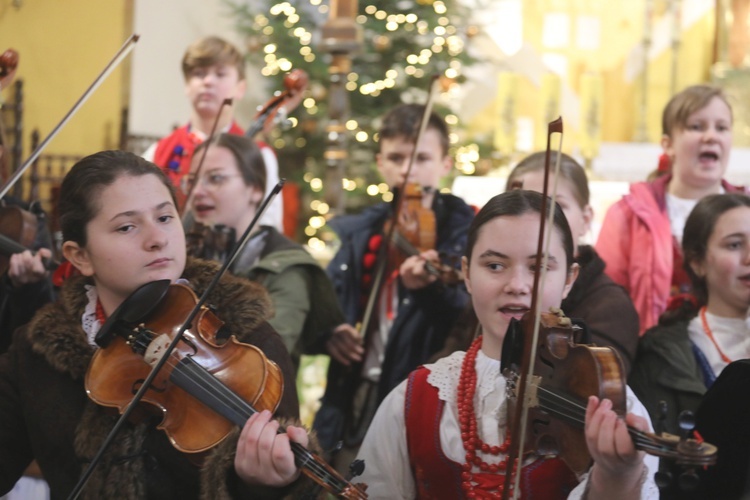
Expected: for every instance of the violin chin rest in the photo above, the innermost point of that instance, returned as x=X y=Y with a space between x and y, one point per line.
x=136 y=307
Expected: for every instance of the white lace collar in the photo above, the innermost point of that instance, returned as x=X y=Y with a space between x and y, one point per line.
x=89 y=322
x=490 y=396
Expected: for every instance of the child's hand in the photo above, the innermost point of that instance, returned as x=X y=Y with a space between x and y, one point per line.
x=264 y=456
x=618 y=466
x=345 y=345
x=25 y=268
x=413 y=272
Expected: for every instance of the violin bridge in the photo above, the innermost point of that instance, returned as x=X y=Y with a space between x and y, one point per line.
x=531 y=398
x=156 y=349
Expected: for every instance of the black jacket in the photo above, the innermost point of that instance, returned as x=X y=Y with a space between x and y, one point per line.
x=424 y=316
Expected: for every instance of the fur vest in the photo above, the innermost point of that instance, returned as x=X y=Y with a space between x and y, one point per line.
x=45 y=413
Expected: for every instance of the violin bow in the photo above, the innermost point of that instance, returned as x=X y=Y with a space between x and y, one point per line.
x=377 y=284
x=520 y=417
x=109 y=68
x=196 y=176
x=146 y=385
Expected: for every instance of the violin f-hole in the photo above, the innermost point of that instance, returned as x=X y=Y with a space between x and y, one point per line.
x=138 y=383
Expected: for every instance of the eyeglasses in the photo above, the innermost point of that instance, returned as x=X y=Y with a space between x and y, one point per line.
x=210 y=181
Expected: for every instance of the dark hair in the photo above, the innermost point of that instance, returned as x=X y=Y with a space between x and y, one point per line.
x=211 y=50
x=79 y=193
x=404 y=121
x=569 y=169
x=247 y=154
x=685 y=103
x=699 y=227
x=515 y=203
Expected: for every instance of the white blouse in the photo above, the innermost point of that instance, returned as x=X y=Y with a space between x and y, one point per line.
x=384 y=450
x=731 y=334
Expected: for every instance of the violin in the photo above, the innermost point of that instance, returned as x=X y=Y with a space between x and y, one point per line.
x=566 y=373
x=18 y=230
x=206 y=389
x=275 y=110
x=416 y=232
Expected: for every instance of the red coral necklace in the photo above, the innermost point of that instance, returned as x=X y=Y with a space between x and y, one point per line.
x=710 y=335
x=467 y=386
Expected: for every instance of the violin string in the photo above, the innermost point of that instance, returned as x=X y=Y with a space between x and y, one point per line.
x=234 y=401
x=576 y=412
x=230 y=399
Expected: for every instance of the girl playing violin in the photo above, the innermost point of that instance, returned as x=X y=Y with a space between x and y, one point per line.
x=228 y=192
x=604 y=306
x=442 y=432
x=121 y=230
x=679 y=359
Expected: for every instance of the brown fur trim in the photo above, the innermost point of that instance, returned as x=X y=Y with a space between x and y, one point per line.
x=56 y=332
x=244 y=304
x=120 y=473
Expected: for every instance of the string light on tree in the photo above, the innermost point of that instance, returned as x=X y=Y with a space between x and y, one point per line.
x=286 y=34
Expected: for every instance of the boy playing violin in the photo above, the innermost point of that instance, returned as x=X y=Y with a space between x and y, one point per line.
x=120 y=229
x=415 y=312
x=214 y=70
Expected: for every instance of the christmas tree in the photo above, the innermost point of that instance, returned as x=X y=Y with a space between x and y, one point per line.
x=404 y=43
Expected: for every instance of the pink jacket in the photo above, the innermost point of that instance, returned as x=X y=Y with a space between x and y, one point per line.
x=636 y=243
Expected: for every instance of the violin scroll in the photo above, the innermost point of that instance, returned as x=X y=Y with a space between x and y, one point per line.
x=8 y=62
x=296 y=81
x=275 y=110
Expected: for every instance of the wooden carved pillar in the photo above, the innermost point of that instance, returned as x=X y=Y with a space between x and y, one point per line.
x=341 y=38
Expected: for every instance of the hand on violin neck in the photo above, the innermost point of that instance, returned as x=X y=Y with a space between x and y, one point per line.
x=414 y=273
x=618 y=470
x=345 y=345
x=26 y=268
x=264 y=456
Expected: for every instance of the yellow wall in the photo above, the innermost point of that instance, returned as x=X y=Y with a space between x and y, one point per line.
x=621 y=31
x=63 y=46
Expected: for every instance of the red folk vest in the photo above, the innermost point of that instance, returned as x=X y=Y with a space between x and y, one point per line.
x=174 y=152
x=439 y=478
